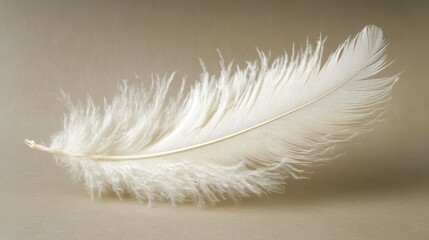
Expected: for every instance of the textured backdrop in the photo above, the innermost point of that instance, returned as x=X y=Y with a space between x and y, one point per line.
x=378 y=190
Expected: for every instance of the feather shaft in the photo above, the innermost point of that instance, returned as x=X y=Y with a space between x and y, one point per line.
x=57 y=152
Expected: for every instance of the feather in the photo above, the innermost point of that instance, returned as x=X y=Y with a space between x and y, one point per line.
x=244 y=132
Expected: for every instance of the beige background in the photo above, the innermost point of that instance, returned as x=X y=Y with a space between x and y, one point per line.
x=379 y=190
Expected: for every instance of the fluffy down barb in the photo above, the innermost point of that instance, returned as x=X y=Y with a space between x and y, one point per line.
x=241 y=133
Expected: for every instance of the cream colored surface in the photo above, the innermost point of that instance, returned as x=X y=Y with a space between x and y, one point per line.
x=379 y=190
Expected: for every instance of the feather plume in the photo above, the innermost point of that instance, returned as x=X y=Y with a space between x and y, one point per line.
x=241 y=133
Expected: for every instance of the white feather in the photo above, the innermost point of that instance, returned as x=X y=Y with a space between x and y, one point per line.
x=240 y=133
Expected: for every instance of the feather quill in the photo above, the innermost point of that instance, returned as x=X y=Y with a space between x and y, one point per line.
x=244 y=132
